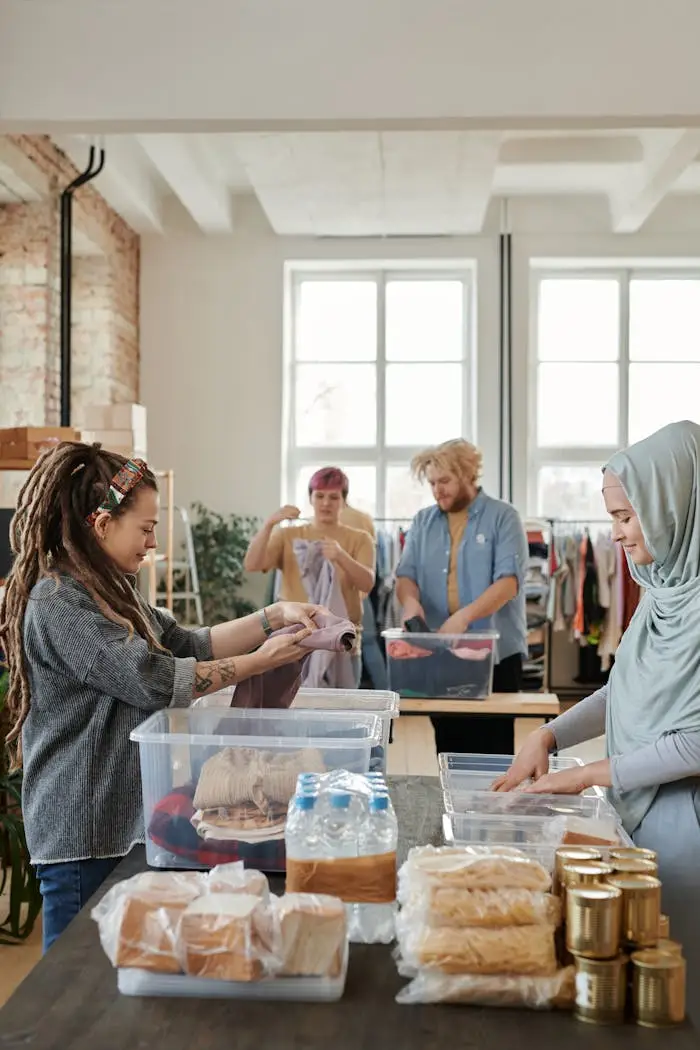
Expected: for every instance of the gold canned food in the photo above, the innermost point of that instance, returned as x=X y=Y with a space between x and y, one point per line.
x=641 y=908
x=567 y=855
x=601 y=988
x=664 y=927
x=593 y=921
x=669 y=947
x=633 y=866
x=658 y=989
x=630 y=852
x=588 y=873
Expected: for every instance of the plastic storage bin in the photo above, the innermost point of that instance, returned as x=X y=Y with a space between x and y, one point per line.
x=523 y=806
x=175 y=743
x=279 y=989
x=441 y=666
x=383 y=704
x=459 y=773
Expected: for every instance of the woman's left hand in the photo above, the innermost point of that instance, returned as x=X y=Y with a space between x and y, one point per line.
x=287 y=614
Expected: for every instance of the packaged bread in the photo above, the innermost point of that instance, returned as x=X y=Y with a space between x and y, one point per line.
x=585 y=831
x=313 y=935
x=556 y=992
x=517 y=950
x=227 y=937
x=236 y=878
x=445 y=906
x=464 y=869
x=138 y=919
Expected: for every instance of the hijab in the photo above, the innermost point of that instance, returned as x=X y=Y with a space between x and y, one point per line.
x=654 y=687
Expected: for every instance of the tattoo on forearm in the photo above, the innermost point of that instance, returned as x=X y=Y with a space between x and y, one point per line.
x=227 y=671
x=202 y=678
x=214 y=675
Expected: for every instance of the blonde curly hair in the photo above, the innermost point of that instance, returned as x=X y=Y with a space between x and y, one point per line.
x=458 y=457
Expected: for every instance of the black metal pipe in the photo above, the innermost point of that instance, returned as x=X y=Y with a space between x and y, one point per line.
x=95 y=164
x=509 y=364
x=501 y=364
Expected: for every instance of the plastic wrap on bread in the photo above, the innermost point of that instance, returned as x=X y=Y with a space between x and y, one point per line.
x=469 y=869
x=438 y=906
x=555 y=992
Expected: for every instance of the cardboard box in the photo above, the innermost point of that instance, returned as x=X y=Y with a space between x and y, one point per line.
x=27 y=443
x=126 y=416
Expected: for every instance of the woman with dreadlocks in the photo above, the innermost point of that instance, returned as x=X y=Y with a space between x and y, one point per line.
x=88 y=660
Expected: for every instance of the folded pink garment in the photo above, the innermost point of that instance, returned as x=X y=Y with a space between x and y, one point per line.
x=278 y=687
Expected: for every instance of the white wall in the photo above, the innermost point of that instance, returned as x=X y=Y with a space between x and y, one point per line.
x=223 y=61
x=212 y=334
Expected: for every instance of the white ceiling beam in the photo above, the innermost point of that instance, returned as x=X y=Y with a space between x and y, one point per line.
x=127 y=180
x=205 y=197
x=558 y=149
x=668 y=155
x=24 y=181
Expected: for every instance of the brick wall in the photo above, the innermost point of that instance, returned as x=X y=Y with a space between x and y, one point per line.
x=105 y=298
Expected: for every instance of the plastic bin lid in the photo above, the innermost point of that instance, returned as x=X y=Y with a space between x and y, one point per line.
x=273 y=728
x=374 y=701
x=395 y=634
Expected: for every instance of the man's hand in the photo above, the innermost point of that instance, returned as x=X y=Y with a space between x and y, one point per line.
x=458 y=623
x=412 y=607
x=286 y=513
x=332 y=551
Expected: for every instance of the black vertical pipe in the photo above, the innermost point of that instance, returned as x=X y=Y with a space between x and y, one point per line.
x=93 y=169
x=501 y=365
x=509 y=363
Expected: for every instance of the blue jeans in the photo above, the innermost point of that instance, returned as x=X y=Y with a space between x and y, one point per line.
x=66 y=889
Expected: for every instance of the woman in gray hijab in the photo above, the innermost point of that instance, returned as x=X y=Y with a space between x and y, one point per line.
x=650 y=708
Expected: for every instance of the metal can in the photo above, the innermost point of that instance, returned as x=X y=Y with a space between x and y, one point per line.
x=572 y=855
x=630 y=852
x=669 y=947
x=589 y=873
x=664 y=927
x=641 y=908
x=593 y=921
x=601 y=987
x=634 y=866
x=658 y=994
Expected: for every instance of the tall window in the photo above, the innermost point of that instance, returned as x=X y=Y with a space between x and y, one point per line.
x=618 y=356
x=379 y=368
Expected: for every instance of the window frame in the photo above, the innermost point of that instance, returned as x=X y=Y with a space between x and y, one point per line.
x=380 y=455
x=587 y=456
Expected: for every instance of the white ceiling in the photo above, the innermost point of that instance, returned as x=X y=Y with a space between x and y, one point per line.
x=387 y=183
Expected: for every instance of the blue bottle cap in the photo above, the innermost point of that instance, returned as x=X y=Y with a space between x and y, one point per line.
x=340 y=799
x=306 y=801
x=378 y=803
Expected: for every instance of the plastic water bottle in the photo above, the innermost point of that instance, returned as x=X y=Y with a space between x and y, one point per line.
x=378 y=835
x=340 y=827
x=302 y=838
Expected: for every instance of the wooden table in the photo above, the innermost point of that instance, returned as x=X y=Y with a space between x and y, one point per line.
x=413 y=747
x=70 y=1001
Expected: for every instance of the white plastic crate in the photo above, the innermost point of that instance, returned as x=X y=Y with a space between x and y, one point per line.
x=444 y=666
x=175 y=743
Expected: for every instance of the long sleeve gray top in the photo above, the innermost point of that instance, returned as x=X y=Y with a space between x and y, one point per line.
x=674 y=756
x=90 y=686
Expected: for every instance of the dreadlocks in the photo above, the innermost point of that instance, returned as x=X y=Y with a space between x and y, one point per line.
x=49 y=535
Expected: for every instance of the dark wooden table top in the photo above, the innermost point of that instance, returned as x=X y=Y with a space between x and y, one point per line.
x=70 y=1000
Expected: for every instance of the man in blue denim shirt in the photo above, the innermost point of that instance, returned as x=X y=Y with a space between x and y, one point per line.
x=463 y=568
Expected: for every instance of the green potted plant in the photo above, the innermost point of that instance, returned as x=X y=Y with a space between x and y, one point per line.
x=20 y=898
x=220 y=544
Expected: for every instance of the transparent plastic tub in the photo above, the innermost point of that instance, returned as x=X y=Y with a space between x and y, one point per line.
x=175 y=743
x=460 y=773
x=508 y=804
x=278 y=989
x=384 y=704
x=441 y=666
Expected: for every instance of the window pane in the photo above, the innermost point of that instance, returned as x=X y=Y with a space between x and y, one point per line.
x=336 y=405
x=665 y=320
x=423 y=403
x=577 y=405
x=578 y=319
x=572 y=493
x=425 y=320
x=337 y=321
x=404 y=495
x=363 y=486
x=661 y=394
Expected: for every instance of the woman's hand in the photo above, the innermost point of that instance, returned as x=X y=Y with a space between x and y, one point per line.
x=332 y=551
x=573 y=781
x=287 y=614
x=282 y=650
x=286 y=513
x=532 y=761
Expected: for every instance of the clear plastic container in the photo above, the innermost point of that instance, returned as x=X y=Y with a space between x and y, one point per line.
x=384 y=704
x=441 y=666
x=460 y=773
x=276 y=989
x=175 y=743
x=510 y=804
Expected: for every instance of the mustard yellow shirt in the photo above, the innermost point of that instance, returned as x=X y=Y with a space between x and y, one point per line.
x=357 y=519
x=280 y=555
x=457 y=523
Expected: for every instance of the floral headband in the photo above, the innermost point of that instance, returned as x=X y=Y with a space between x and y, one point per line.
x=126 y=479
